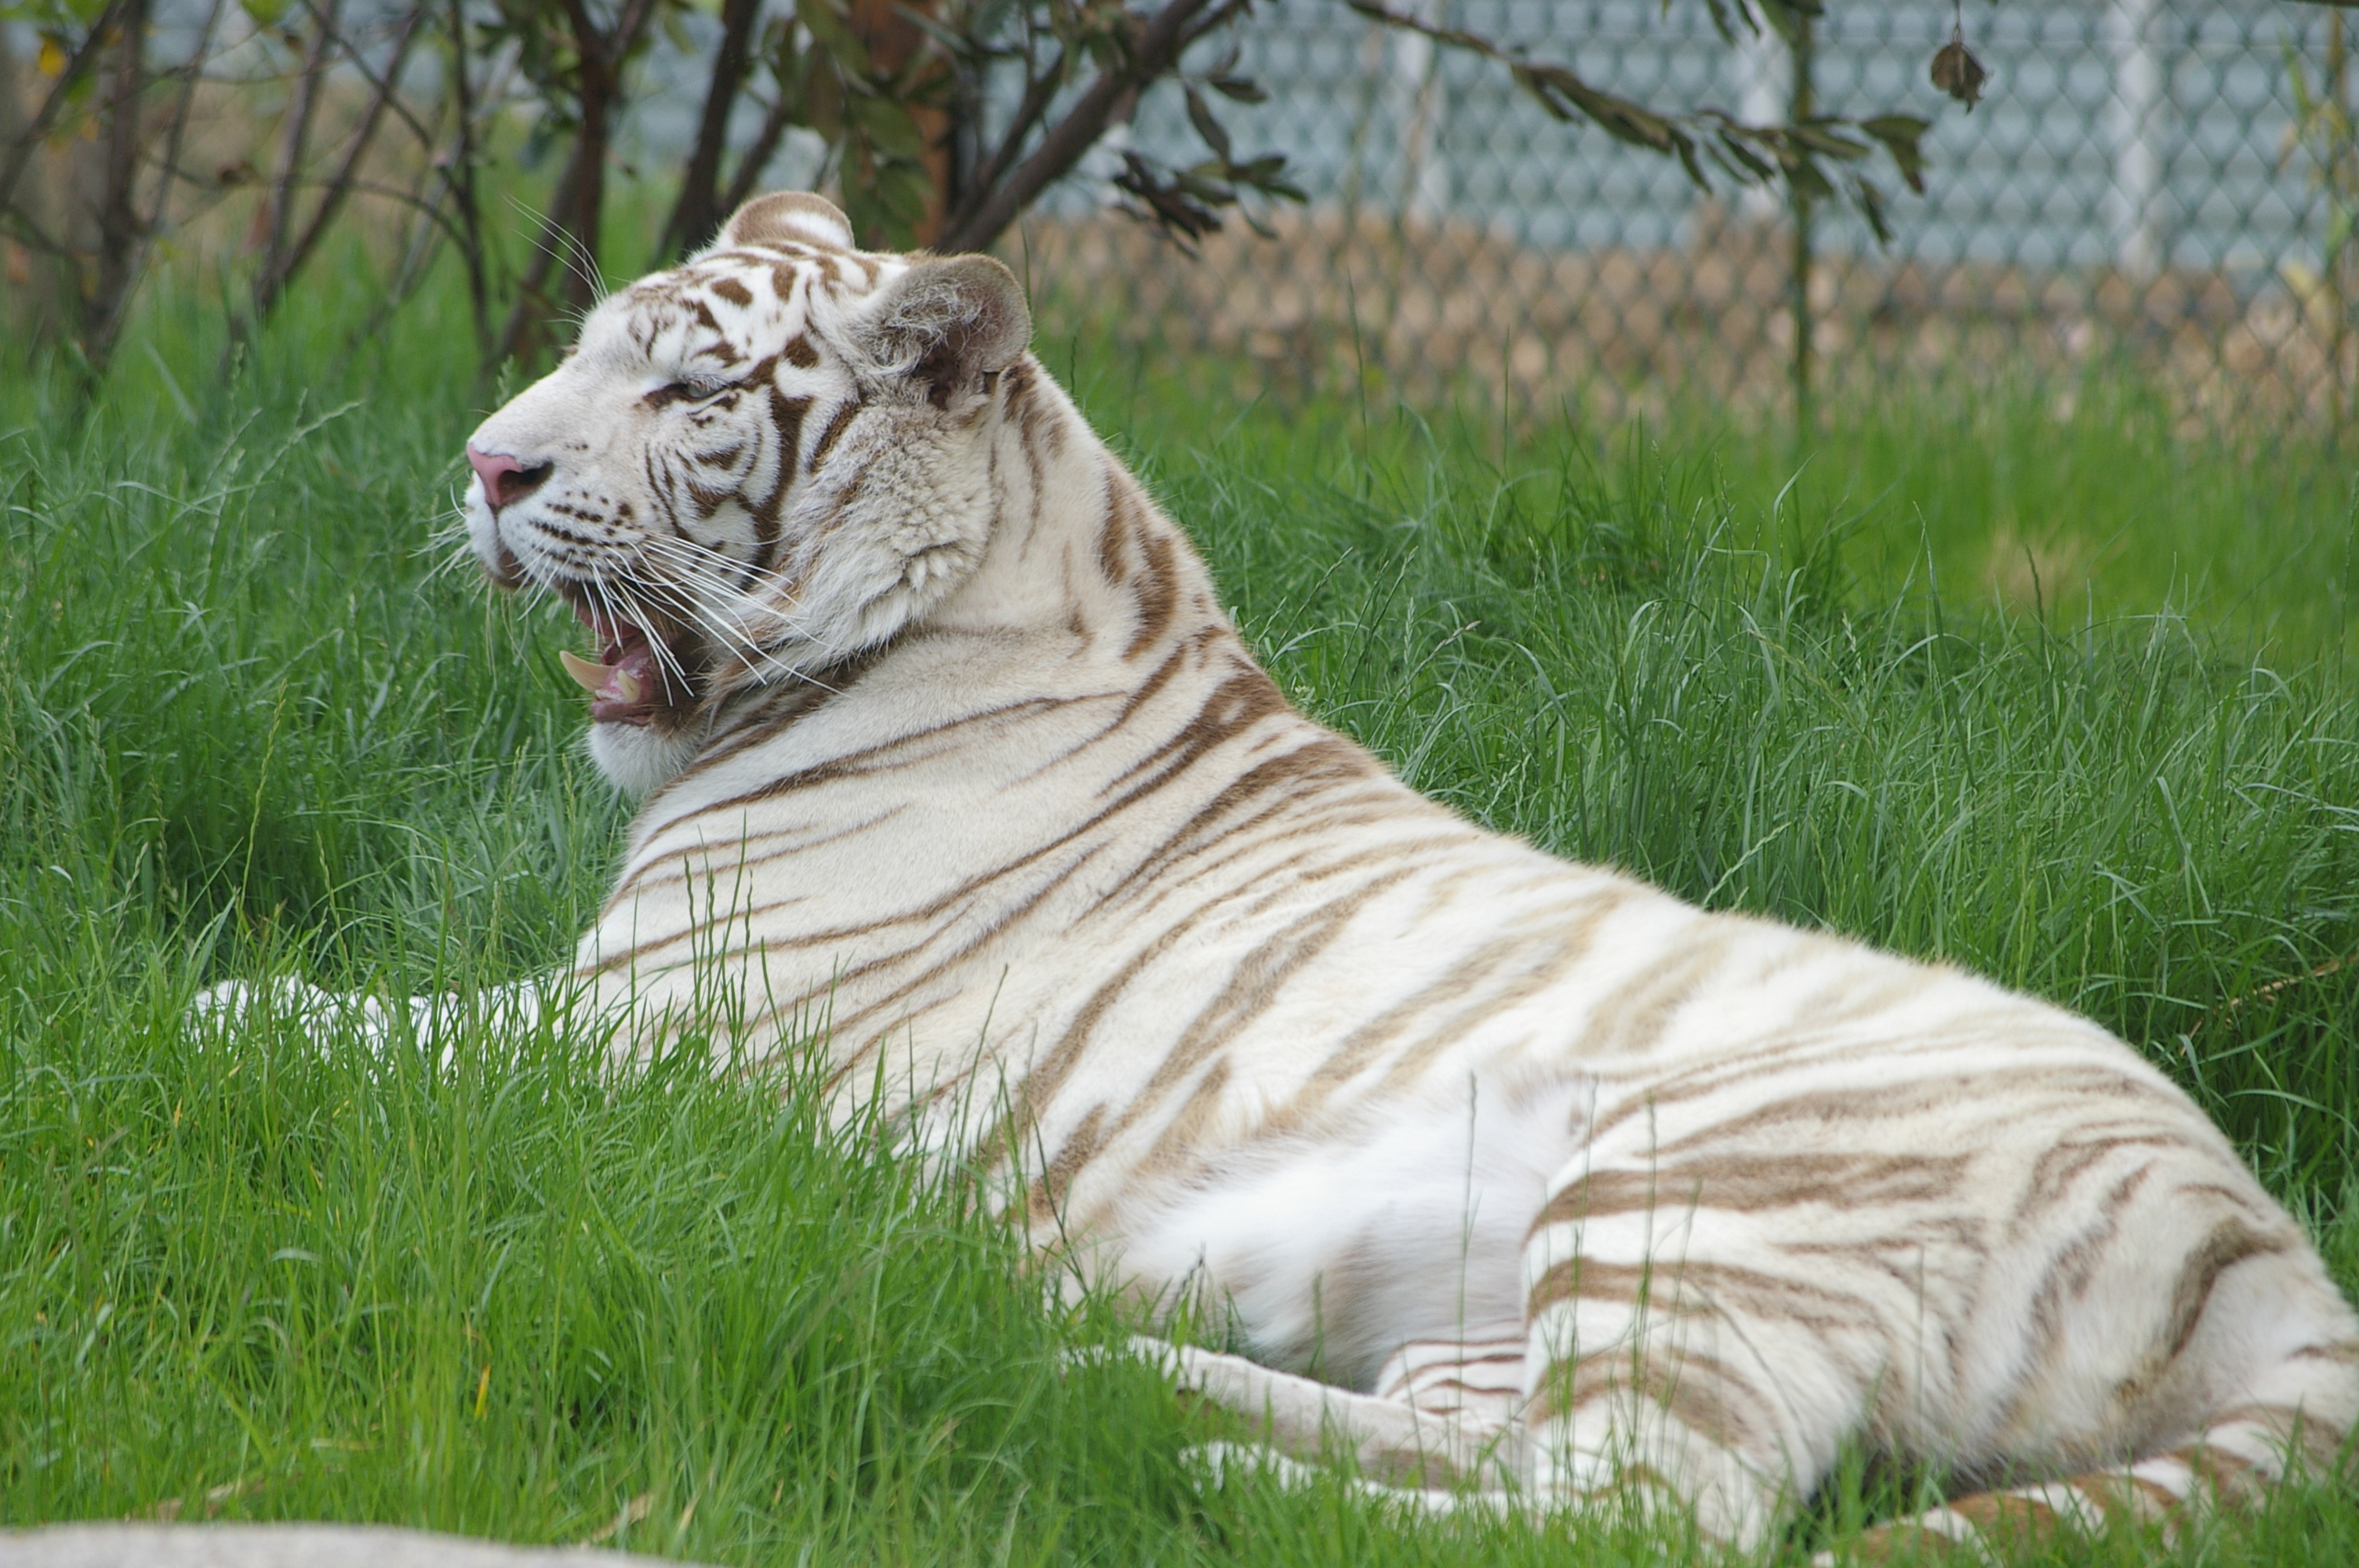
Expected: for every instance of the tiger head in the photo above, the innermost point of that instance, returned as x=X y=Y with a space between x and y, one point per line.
x=751 y=467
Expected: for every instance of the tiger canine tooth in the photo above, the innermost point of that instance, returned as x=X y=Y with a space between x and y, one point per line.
x=590 y=676
x=627 y=684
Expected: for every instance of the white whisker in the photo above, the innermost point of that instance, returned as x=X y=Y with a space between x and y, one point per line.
x=700 y=595
x=621 y=609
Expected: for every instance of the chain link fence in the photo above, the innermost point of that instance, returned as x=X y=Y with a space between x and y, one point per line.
x=2162 y=184
x=2164 y=187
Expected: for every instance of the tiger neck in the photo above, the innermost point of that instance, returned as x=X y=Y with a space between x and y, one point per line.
x=1083 y=579
x=1080 y=554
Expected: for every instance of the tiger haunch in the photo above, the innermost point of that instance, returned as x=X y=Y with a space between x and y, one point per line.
x=948 y=743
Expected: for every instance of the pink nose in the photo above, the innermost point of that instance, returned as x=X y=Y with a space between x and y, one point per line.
x=505 y=479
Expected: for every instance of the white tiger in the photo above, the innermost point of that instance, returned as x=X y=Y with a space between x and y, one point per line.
x=1521 y=1180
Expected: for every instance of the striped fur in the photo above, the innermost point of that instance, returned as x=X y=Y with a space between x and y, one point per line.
x=1537 y=1180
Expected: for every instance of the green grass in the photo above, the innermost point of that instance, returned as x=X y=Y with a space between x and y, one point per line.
x=2060 y=502
x=247 y=726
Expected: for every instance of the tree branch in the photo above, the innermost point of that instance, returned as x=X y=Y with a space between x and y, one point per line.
x=1038 y=93
x=775 y=122
x=694 y=213
x=282 y=266
x=20 y=152
x=1153 y=51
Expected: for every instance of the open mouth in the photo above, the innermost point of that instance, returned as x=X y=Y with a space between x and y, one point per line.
x=626 y=682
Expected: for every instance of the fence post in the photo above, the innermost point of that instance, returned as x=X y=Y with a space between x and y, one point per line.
x=2337 y=259
x=1801 y=105
x=2136 y=193
x=1425 y=177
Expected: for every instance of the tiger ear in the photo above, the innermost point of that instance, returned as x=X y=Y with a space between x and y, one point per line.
x=795 y=217
x=945 y=324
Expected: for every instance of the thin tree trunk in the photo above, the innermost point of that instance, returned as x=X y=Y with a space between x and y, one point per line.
x=582 y=282
x=696 y=214
x=988 y=210
x=295 y=136
x=285 y=260
x=10 y=90
x=99 y=349
x=462 y=184
x=519 y=335
x=29 y=141
x=570 y=232
x=757 y=156
x=118 y=216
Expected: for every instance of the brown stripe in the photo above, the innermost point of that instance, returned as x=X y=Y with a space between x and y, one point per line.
x=2232 y=1482
x=1330 y=760
x=2119 y=1497
x=829 y=436
x=1822 y=1117
x=1120 y=525
x=864 y=762
x=1180 y=1135
x=1566 y=946
x=1047 y=1198
x=2013 y=1519
x=1688 y=1287
x=1252 y=989
x=1243 y=698
x=1359 y=1049
x=2230 y=1242
x=1750 y=1183
x=1695 y=1390
x=2066 y=1278
x=786 y=420
x=1910 y=1544
x=2342 y=1354
x=1157 y=591
x=1639 y=1011
x=1042 y=1086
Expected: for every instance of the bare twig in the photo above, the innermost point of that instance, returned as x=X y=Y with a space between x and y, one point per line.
x=459 y=176
x=125 y=234
x=697 y=210
x=102 y=302
x=1038 y=91
x=429 y=227
x=1153 y=50
x=775 y=121
x=280 y=266
x=1801 y=150
x=570 y=229
x=294 y=136
x=168 y=167
x=2236 y=1004
x=21 y=149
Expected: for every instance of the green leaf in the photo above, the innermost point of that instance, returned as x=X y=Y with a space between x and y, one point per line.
x=831 y=33
x=1201 y=116
x=1826 y=142
x=1902 y=136
x=823 y=104
x=1868 y=197
x=888 y=127
x=1748 y=164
